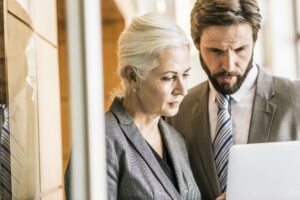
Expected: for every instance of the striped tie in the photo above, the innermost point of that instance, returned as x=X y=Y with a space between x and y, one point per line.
x=223 y=140
x=5 y=188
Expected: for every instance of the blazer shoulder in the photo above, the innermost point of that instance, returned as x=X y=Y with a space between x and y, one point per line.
x=110 y=120
x=198 y=89
x=195 y=92
x=287 y=90
x=282 y=83
x=277 y=89
x=112 y=127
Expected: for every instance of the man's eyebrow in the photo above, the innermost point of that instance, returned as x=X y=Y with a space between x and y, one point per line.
x=188 y=69
x=219 y=49
x=242 y=47
x=213 y=49
x=208 y=47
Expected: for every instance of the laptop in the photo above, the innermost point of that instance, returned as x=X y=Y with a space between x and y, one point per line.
x=266 y=171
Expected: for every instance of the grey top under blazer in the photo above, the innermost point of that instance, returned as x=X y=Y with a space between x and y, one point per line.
x=275 y=117
x=132 y=169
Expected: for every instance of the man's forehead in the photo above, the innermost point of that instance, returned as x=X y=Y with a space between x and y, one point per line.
x=233 y=33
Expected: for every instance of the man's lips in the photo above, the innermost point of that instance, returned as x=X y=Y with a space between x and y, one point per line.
x=226 y=79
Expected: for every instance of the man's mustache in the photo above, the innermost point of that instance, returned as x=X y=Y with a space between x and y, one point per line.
x=225 y=74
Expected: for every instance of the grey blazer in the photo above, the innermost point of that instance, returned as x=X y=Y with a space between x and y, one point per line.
x=275 y=117
x=132 y=169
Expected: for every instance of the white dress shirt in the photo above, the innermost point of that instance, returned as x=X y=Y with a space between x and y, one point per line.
x=241 y=108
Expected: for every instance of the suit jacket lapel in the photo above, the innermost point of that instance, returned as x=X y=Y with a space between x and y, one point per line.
x=173 y=151
x=134 y=136
x=263 y=110
x=202 y=137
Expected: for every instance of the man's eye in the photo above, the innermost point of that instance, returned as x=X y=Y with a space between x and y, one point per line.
x=240 y=49
x=216 y=51
x=186 y=75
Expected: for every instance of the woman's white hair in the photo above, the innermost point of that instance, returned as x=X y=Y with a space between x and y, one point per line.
x=141 y=43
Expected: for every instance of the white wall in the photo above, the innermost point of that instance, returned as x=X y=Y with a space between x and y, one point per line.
x=277 y=38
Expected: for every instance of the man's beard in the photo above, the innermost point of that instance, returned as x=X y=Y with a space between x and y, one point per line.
x=226 y=89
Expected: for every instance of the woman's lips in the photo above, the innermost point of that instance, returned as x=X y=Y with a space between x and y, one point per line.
x=175 y=103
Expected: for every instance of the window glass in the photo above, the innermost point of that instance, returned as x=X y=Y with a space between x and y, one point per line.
x=19 y=73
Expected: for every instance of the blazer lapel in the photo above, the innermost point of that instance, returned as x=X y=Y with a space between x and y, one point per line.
x=202 y=137
x=177 y=163
x=263 y=110
x=134 y=136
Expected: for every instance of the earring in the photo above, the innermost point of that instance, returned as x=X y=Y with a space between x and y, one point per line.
x=134 y=90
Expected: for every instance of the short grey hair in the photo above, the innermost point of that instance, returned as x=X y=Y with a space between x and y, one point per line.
x=141 y=43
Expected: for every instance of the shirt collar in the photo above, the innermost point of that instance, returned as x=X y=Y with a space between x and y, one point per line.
x=247 y=85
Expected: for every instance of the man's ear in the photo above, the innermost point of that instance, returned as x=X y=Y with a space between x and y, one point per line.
x=130 y=74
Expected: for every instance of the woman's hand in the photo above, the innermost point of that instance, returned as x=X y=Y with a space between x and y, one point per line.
x=222 y=197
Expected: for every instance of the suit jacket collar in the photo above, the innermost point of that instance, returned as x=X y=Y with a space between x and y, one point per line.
x=265 y=86
x=200 y=111
x=263 y=110
x=136 y=139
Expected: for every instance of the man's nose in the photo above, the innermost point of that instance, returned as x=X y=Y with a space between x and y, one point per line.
x=229 y=61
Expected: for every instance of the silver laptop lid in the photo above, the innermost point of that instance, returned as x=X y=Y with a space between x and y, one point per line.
x=268 y=171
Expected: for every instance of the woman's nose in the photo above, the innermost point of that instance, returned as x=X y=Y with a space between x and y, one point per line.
x=180 y=87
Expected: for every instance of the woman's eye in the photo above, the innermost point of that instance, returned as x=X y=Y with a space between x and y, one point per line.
x=168 y=78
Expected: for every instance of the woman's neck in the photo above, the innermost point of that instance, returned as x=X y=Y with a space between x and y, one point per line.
x=147 y=123
x=143 y=119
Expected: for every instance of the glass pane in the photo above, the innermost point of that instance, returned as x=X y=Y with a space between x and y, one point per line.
x=22 y=101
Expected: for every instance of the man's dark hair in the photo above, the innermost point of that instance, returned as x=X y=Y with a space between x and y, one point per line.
x=207 y=13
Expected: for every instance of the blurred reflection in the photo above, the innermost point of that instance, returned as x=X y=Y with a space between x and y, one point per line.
x=21 y=76
x=5 y=154
x=31 y=74
x=3 y=89
x=5 y=166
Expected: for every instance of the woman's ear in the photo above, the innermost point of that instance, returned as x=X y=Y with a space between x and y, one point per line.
x=130 y=74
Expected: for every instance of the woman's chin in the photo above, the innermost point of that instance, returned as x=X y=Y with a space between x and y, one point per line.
x=171 y=112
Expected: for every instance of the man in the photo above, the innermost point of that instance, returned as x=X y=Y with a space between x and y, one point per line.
x=240 y=103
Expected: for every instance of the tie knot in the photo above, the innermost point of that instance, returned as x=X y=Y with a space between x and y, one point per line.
x=222 y=101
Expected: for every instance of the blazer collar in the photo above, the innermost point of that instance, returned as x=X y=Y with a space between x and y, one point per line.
x=263 y=110
x=173 y=150
x=200 y=122
x=136 y=139
x=119 y=111
x=265 y=85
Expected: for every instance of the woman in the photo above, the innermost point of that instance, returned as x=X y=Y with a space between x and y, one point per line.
x=146 y=158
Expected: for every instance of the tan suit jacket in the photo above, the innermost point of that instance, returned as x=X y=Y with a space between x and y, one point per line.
x=275 y=117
